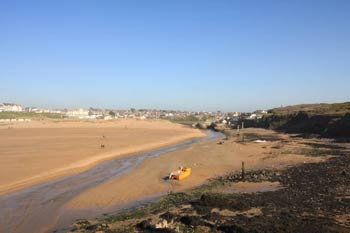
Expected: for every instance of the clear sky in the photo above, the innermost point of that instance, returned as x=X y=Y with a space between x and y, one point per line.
x=184 y=54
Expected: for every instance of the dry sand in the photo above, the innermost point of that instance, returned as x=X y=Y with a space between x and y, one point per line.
x=207 y=159
x=32 y=152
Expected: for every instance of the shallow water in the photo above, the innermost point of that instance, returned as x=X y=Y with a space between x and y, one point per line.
x=40 y=207
x=250 y=187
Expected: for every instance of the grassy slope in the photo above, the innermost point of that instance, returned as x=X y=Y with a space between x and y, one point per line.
x=327 y=120
x=329 y=109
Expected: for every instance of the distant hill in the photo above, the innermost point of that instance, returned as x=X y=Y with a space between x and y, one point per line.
x=330 y=109
x=325 y=120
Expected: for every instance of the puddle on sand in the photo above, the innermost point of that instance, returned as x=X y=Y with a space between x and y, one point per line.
x=251 y=187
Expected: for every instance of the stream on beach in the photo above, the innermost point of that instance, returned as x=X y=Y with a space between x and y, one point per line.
x=40 y=208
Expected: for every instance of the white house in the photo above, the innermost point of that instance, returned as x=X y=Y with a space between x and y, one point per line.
x=255 y=116
x=252 y=116
x=108 y=117
x=9 y=107
x=78 y=113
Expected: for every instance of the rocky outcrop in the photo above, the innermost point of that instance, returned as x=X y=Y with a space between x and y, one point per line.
x=330 y=126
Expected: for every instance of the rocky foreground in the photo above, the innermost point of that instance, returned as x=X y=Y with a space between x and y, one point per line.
x=313 y=197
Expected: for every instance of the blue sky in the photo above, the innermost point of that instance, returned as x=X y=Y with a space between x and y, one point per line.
x=189 y=55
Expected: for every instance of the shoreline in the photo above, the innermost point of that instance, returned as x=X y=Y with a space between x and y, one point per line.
x=44 y=204
x=226 y=203
x=92 y=161
x=87 y=164
x=217 y=159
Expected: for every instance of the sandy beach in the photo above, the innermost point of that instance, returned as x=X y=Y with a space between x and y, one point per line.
x=207 y=159
x=33 y=152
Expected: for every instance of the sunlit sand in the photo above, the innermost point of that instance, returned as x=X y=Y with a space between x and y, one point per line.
x=32 y=152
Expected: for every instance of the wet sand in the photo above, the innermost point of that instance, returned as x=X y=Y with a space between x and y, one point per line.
x=40 y=207
x=145 y=180
x=207 y=159
x=308 y=197
x=251 y=187
x=37 y=151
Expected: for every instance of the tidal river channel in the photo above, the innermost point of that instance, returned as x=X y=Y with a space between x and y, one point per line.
x=40 y=208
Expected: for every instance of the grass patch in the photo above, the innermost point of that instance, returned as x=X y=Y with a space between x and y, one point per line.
x=171 y=200
x=166 y=202
x=211 y=185
x=29 y=115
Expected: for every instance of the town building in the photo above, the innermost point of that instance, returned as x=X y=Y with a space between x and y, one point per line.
x=78 y=113
x=9 y=107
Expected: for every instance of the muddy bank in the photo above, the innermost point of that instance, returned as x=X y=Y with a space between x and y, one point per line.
x=312 y=197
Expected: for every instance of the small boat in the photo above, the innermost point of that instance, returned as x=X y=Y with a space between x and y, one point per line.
x=180 y=174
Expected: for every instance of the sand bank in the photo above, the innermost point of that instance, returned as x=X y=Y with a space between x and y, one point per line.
x=207 y=159
x=33 y=152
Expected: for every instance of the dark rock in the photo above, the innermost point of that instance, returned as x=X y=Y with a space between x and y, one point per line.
x=145 y=225
x=162 y=230
x=91 y=227
x=98 y=226
x=231 y=229
x=191 y=220
x=213 y=217
x=83 y=222
x=313 y=195
x=167 y=216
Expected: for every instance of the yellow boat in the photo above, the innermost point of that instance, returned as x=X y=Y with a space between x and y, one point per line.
x=180 y=174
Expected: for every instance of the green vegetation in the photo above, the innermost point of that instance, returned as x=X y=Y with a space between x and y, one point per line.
x=325 y=120
x=329 y=109
x=166 y=202
x=29 y=115
x=187 y=120
x=173 y=199
x=111 y=113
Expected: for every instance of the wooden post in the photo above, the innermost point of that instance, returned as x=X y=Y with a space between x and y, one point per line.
x=243 y=172
x=242 y=124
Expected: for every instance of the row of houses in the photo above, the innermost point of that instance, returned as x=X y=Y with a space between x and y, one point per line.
x=258 y=114
x=42 y=110
x=234 y=119
x=10 y=107
x=91 y=113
